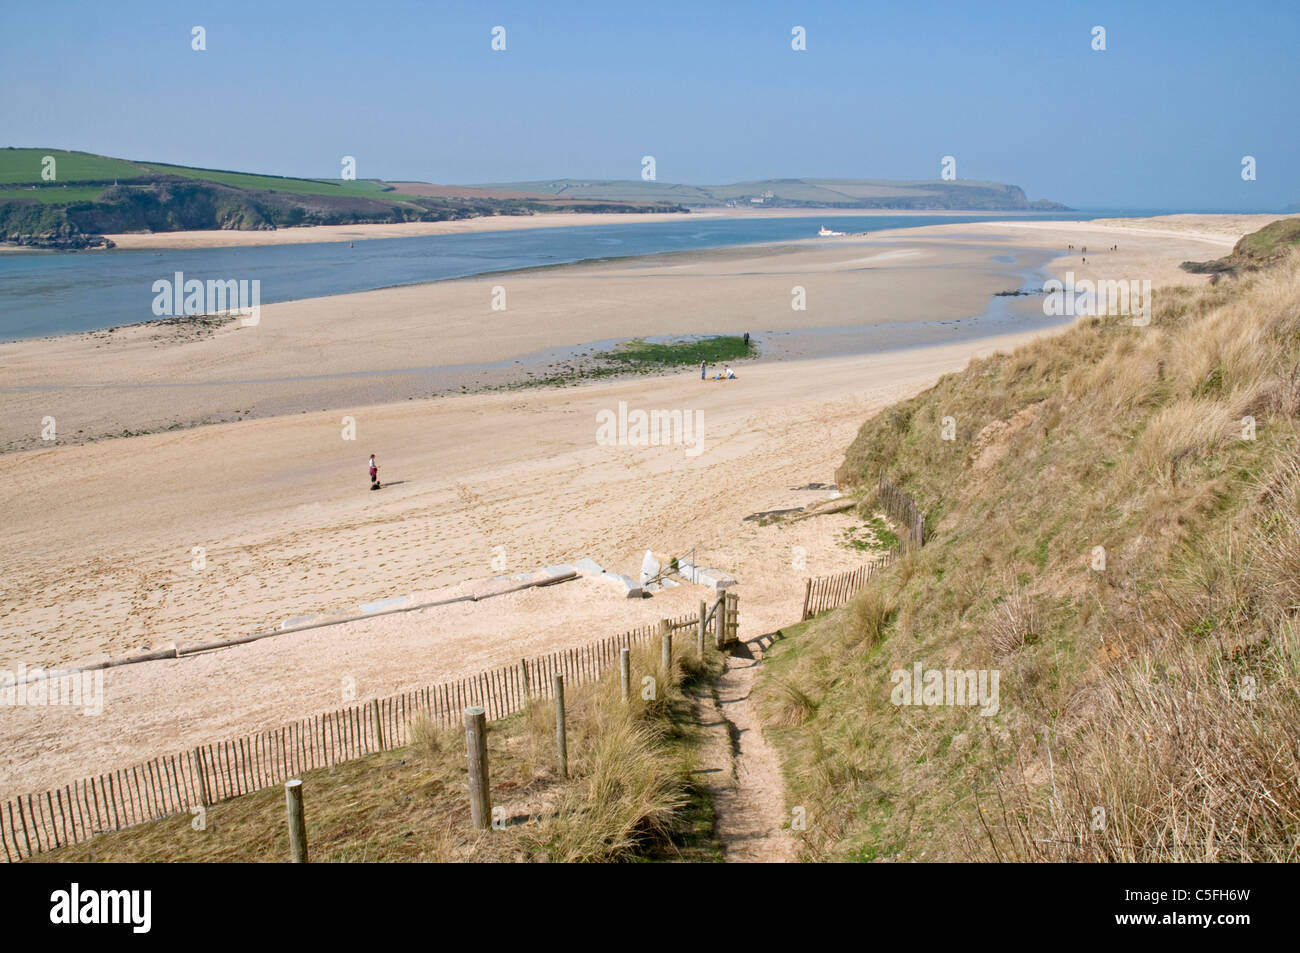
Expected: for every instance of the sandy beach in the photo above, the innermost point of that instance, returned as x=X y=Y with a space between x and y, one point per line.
x=495 y=223
x=348 y=233
x=101 y=562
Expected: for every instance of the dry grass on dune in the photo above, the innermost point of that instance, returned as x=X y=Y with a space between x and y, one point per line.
x=1148 y=710
x=630 y=793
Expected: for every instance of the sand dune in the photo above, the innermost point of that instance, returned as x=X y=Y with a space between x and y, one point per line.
x=1222 y=227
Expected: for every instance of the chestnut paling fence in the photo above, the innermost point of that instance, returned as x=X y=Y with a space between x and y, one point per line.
x=902 y=509
x=823 y=593
x=177 y=783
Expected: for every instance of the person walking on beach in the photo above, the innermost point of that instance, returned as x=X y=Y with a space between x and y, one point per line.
x=703 y=369
x=374 y=474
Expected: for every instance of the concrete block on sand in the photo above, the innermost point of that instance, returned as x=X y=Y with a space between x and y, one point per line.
x=702 y=575
x=590 y=569
x=716 y=578
x=297 y=620
x=633 y=591
x=396 y=602
x=629 y=586
x=586 y=567
x=649 y=567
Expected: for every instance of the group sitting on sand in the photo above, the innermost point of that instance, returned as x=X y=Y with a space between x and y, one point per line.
x=727 y=374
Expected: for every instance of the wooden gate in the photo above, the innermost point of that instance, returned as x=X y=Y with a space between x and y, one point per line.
x=730 y=618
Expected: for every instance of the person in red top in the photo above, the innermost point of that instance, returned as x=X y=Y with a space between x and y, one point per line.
x=374 y=474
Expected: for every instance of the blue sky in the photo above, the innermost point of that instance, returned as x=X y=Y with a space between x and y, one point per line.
x=1160 y=119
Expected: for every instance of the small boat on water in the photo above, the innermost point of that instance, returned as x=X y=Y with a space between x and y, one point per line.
x=827 y=233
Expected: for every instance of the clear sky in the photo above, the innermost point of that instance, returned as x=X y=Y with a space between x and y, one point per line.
x=1014 y=91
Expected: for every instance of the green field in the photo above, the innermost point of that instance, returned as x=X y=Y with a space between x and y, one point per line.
x=52 y=194
x=359 y=188
x=23 y=167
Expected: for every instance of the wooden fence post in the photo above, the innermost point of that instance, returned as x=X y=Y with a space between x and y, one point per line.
x=204 y=798
x=807 y=596
x=297 y=822
x=528 y=688
x=666 y=654
x=480 y=806
x=560 y=740
x=719 y=614
x=699 y=631
x=379 y=728
x=625 y=672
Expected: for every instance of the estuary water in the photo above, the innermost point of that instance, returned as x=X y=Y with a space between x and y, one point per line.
x=48 y=293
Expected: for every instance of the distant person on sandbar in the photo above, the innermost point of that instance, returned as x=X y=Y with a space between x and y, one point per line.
x=374 y=474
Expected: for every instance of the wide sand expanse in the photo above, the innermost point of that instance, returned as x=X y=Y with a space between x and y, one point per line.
x=308 y=234
x=290 y=529
x=490 y=223
x=101 y=559
x=412 y=341
x=409 y=342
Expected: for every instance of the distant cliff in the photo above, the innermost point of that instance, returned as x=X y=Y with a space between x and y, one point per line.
x=167 y=204
x=954 y=194
x=82 y=197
